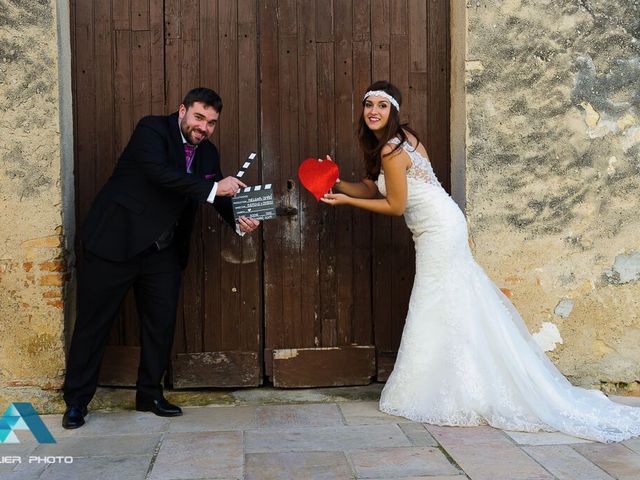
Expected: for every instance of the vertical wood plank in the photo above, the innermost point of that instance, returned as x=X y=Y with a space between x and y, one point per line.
x=173 y=55
x=417 y=35
x=402 y=246
x=212 y=226
x=156 y=52
x=287 y=18
x=289 y=154
x=327 y=238
x=141 y=74
x=84 y=107
x=344 y=154
x=382 y=266
x=416 y=103
x=228 y=131
x=398 y=16
x=380 y=22
x=309 y=210
x=249 y=323
x=140 y=15
x=122 y=89
x=395 y=239
x=380 y=38
x=120 y=10
x=416 y=96
x=193 y=285
x=438 y=103
x=270 y=149
x=324 y=20
x=362 y=227
x=361 y=21
x=193 y=277
x=209 y=44
x=105 y=155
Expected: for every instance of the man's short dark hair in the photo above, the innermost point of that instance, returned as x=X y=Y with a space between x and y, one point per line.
x=203 y=95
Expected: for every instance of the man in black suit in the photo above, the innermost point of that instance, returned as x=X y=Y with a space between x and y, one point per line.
x=136 y=234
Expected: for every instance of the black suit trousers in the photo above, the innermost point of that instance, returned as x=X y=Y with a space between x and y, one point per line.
x=102 y=286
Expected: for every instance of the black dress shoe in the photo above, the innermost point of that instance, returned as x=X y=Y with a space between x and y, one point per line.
x=74 y=417
x=159 y=406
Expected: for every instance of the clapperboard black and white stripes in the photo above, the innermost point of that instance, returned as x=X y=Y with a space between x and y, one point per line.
x=246 y=165
x=253 y=202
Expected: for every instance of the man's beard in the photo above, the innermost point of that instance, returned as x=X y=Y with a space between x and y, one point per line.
x=188 y=135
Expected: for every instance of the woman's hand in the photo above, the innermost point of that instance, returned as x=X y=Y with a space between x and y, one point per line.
x=334 y=199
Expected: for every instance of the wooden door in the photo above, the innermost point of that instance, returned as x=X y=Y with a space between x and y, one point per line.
x=337 y=281
x=319 y=295
x=138 y=57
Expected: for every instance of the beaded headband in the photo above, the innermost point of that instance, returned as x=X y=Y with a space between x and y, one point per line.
x=382 y=93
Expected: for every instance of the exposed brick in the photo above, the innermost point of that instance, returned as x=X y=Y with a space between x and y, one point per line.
x=57 y=293
x=54 y=266
x=507 y=292
x=27 y=266
x=56 y=303
x=42 y=242
x=52 y=280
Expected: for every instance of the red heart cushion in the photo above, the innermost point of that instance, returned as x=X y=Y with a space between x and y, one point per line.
x=318 y=176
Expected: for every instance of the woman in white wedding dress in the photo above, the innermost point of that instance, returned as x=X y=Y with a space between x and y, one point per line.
x=466 y=357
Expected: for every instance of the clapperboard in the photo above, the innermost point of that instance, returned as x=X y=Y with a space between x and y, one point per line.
x=253 y=202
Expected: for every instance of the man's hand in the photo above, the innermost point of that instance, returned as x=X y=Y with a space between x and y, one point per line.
x=229 y=186
x=247 y=225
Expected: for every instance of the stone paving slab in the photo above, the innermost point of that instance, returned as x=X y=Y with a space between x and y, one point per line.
x=109 y=423
x=400 y=462
x=212 y=419
x=107 y=446
x=545 y=438
x=199 y=455
x=565 y=463
x=297 y=466
x=12 y=450
x=367 y=413
x=418 y=435
x=633 y=444
x=485 y=453
x=324 y=438
x=462 y=476
x=313 y=415
x=25 y=471
x=100 y=468
x=616 y=459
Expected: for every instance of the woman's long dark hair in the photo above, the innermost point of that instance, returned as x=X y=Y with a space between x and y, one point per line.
x=371 y=146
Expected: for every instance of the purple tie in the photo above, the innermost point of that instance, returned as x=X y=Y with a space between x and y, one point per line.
x=189 y=153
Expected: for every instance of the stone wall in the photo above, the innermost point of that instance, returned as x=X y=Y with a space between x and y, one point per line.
x=553 y=174
x=32 y=265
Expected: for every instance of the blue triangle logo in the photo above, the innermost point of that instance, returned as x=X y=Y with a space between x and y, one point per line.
x=22 y=416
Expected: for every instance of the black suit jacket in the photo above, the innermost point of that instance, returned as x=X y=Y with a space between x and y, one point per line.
x=150 y=191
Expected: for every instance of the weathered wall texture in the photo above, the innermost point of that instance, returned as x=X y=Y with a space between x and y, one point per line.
x=32 y=271
x=553 y=173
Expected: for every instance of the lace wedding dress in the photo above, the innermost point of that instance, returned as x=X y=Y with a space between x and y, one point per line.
x=466 y=357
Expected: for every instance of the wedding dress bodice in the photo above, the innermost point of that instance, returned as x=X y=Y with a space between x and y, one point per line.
x=466 y=357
